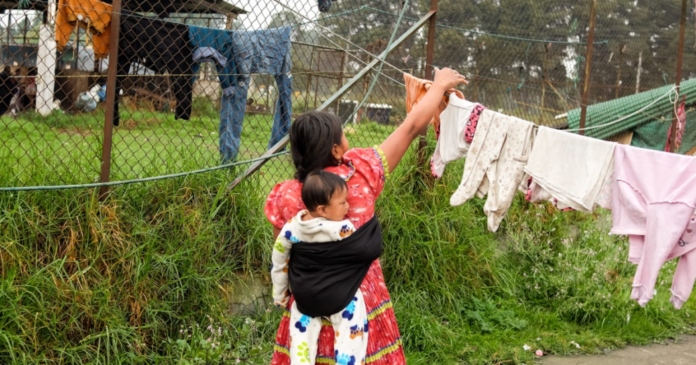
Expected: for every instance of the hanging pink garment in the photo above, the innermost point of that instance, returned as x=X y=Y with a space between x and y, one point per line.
x=654 y=199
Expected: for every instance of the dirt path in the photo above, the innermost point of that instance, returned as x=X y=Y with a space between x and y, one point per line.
x=680 y=353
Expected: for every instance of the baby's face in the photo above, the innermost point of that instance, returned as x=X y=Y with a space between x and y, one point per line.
x=338 y=206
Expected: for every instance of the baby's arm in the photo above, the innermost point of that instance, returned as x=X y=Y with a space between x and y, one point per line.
x=279 y=271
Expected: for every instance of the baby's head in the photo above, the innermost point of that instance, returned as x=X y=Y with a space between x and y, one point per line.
x=325 y=195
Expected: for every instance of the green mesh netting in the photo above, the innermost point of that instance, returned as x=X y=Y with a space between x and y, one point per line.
x=689 y=139
x=653 y=134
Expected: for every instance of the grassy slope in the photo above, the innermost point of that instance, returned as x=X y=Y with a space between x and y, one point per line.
x=86 y=282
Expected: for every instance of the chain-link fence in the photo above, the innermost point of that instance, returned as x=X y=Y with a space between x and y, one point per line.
x=200 y=83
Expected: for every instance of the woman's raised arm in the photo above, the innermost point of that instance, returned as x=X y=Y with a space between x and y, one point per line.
x=395 y=146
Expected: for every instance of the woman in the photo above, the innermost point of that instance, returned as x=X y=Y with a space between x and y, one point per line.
x=317 y=142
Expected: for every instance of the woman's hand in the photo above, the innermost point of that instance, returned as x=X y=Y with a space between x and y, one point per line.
x=395 y=146
x=448 y=78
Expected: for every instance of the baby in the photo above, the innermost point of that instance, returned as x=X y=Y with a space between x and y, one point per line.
x=322 y=223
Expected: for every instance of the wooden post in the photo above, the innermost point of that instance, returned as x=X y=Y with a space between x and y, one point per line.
x=680 y=59
x=340 y=79
x=622 y=49
x=110 y=97
x=546 y=75
x=309 y=79
x=479 y=49
x=429 y=56
x=26 y=28
x=9 y=29
x=588 y=67
x=316 y=85
x=640 y=69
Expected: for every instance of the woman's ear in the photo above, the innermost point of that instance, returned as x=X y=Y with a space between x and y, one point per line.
x=336 y=152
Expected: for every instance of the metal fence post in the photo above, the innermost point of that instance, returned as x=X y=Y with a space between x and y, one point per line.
x=680 y=58
x=588 y=67
x=110 y=97
x=430 y=54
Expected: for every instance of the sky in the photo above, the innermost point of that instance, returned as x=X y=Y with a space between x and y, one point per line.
x=17 y=15
x=260 y=11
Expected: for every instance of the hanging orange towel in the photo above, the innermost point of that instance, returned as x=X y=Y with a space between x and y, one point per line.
x=415 y=91
x=93 y=15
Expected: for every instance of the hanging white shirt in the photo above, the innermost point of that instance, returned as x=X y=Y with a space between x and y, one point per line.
x=451 y=145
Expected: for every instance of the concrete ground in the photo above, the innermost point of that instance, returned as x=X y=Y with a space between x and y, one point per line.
x=682 y=352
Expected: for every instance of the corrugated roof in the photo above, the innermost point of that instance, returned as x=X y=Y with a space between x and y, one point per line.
x=609 y=111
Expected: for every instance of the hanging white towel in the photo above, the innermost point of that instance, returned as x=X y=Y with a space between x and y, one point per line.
x=573 y=169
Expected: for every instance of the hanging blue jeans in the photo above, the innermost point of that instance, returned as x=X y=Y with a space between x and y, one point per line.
x=238 y=54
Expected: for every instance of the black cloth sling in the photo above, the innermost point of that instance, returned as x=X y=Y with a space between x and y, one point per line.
x=159 y=46
x=324 y=276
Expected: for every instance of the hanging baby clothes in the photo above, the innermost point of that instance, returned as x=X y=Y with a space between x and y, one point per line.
x=237 y=55
x=495 y=165
x=452 y=144
x=473 y=122
x=572 y=168
x=654 y=198
x=93 y=15
x=160 y=46
x=415 y=91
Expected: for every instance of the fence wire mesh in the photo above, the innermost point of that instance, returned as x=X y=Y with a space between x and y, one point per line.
x=202 y=83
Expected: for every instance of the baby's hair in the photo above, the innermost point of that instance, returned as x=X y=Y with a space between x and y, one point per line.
x=319 y=187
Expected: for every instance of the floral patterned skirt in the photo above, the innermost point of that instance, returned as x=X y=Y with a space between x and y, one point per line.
x=384 y=343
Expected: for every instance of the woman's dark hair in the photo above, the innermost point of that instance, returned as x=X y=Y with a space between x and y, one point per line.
x=312 y=137
x=319 y=187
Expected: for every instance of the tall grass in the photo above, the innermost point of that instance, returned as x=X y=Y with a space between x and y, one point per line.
x=145 y=276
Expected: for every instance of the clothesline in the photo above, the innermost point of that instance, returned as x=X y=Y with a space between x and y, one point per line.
x=649 y=192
